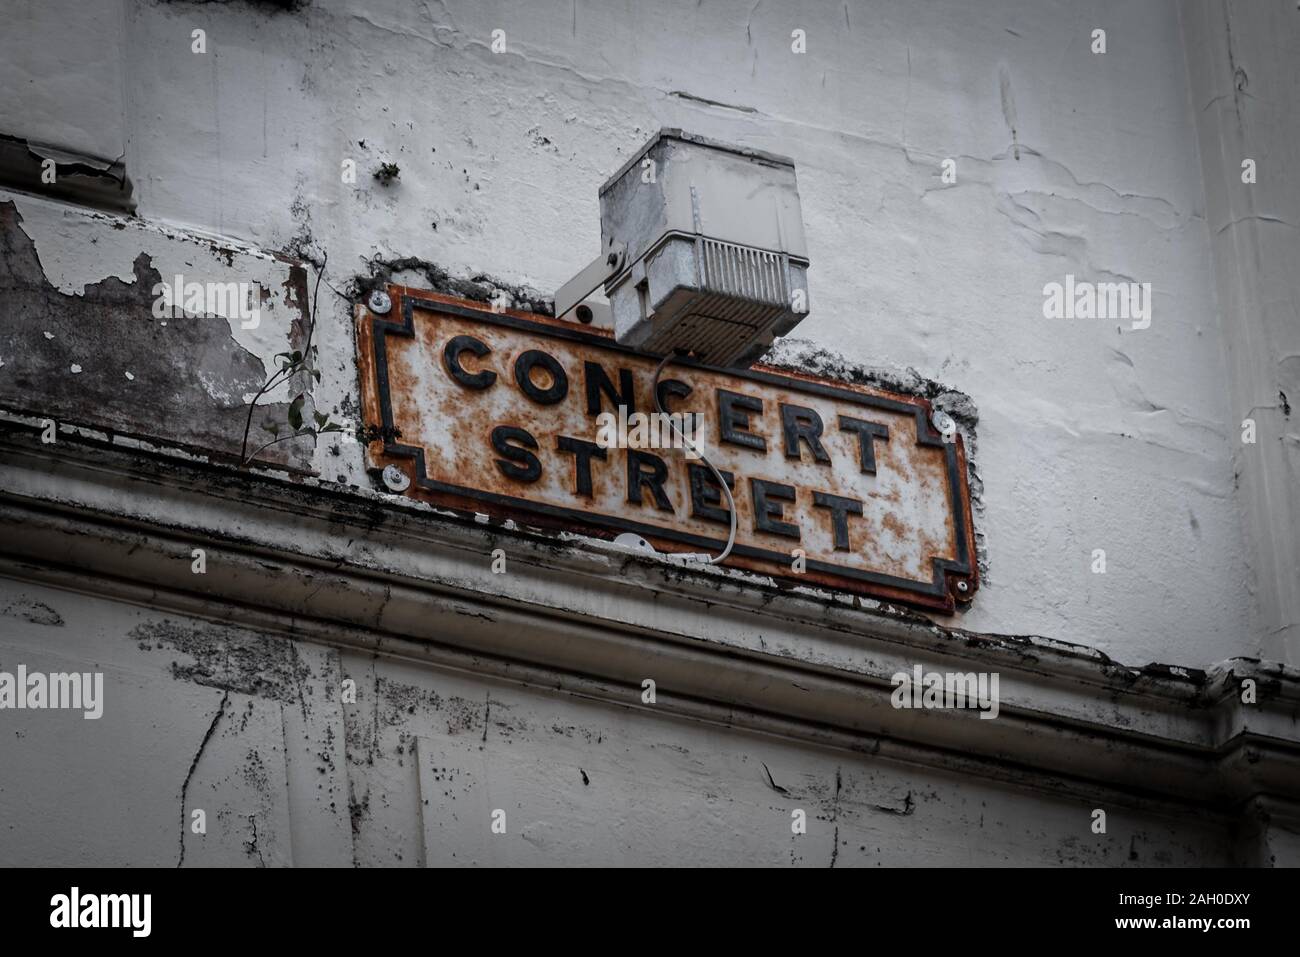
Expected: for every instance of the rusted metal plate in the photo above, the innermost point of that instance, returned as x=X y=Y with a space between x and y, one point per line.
x=497 y=414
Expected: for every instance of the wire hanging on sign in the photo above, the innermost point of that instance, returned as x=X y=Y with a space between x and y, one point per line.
x=688 y=445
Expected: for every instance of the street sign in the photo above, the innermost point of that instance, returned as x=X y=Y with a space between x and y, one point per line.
x=525 y=417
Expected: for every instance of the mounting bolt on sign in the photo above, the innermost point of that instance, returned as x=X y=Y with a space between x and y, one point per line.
x=379 y=302
x=394 y=478
x=945 y=423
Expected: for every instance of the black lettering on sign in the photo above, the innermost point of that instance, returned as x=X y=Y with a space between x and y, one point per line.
x=867 y=432
x=669 y=387
x=645 y=469
x=841 y=508
x=598 y=383
x=706 y=493
x=515 y=462
x=767 y=512
x=583 y=452
x=524 y=366
x=451 y=359
x=733 y=419
x=801 y=424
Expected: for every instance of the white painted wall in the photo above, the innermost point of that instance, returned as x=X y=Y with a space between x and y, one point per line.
x=1091 y=437
x=250 y=728
x=1245 y=85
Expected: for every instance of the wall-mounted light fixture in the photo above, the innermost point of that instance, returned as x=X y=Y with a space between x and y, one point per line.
x=704 y=251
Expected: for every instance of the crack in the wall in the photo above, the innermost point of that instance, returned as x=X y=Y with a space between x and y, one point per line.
x=772 y=781
x=705 y=101
x=251 y=846
x=185 y=786
x=835 y=815
x=1008 y=99
x=1255 y=217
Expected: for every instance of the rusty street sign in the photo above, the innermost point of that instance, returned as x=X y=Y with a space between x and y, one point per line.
x=841 y=486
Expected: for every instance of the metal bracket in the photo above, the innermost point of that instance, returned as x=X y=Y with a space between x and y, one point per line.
x=592 y=276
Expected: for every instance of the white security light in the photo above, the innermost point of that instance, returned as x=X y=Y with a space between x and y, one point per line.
x=704 y=251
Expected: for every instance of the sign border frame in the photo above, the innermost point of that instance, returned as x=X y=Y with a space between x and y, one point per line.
x=940 y=593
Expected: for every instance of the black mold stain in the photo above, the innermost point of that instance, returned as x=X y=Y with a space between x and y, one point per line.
x=801 y=355
x=35 y=612
x=477 y=288
x=232 y=660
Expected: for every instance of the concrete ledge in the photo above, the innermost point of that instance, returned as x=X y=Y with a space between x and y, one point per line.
x=353 y=568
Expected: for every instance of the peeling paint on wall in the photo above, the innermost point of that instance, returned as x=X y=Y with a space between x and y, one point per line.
x=100 y=357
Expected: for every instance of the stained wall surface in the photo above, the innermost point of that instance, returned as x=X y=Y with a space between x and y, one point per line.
x=952 y=159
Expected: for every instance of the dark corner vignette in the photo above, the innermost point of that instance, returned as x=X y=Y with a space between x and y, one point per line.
x=681 y=435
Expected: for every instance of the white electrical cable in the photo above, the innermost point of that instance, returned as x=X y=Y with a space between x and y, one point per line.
x=731 y=501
